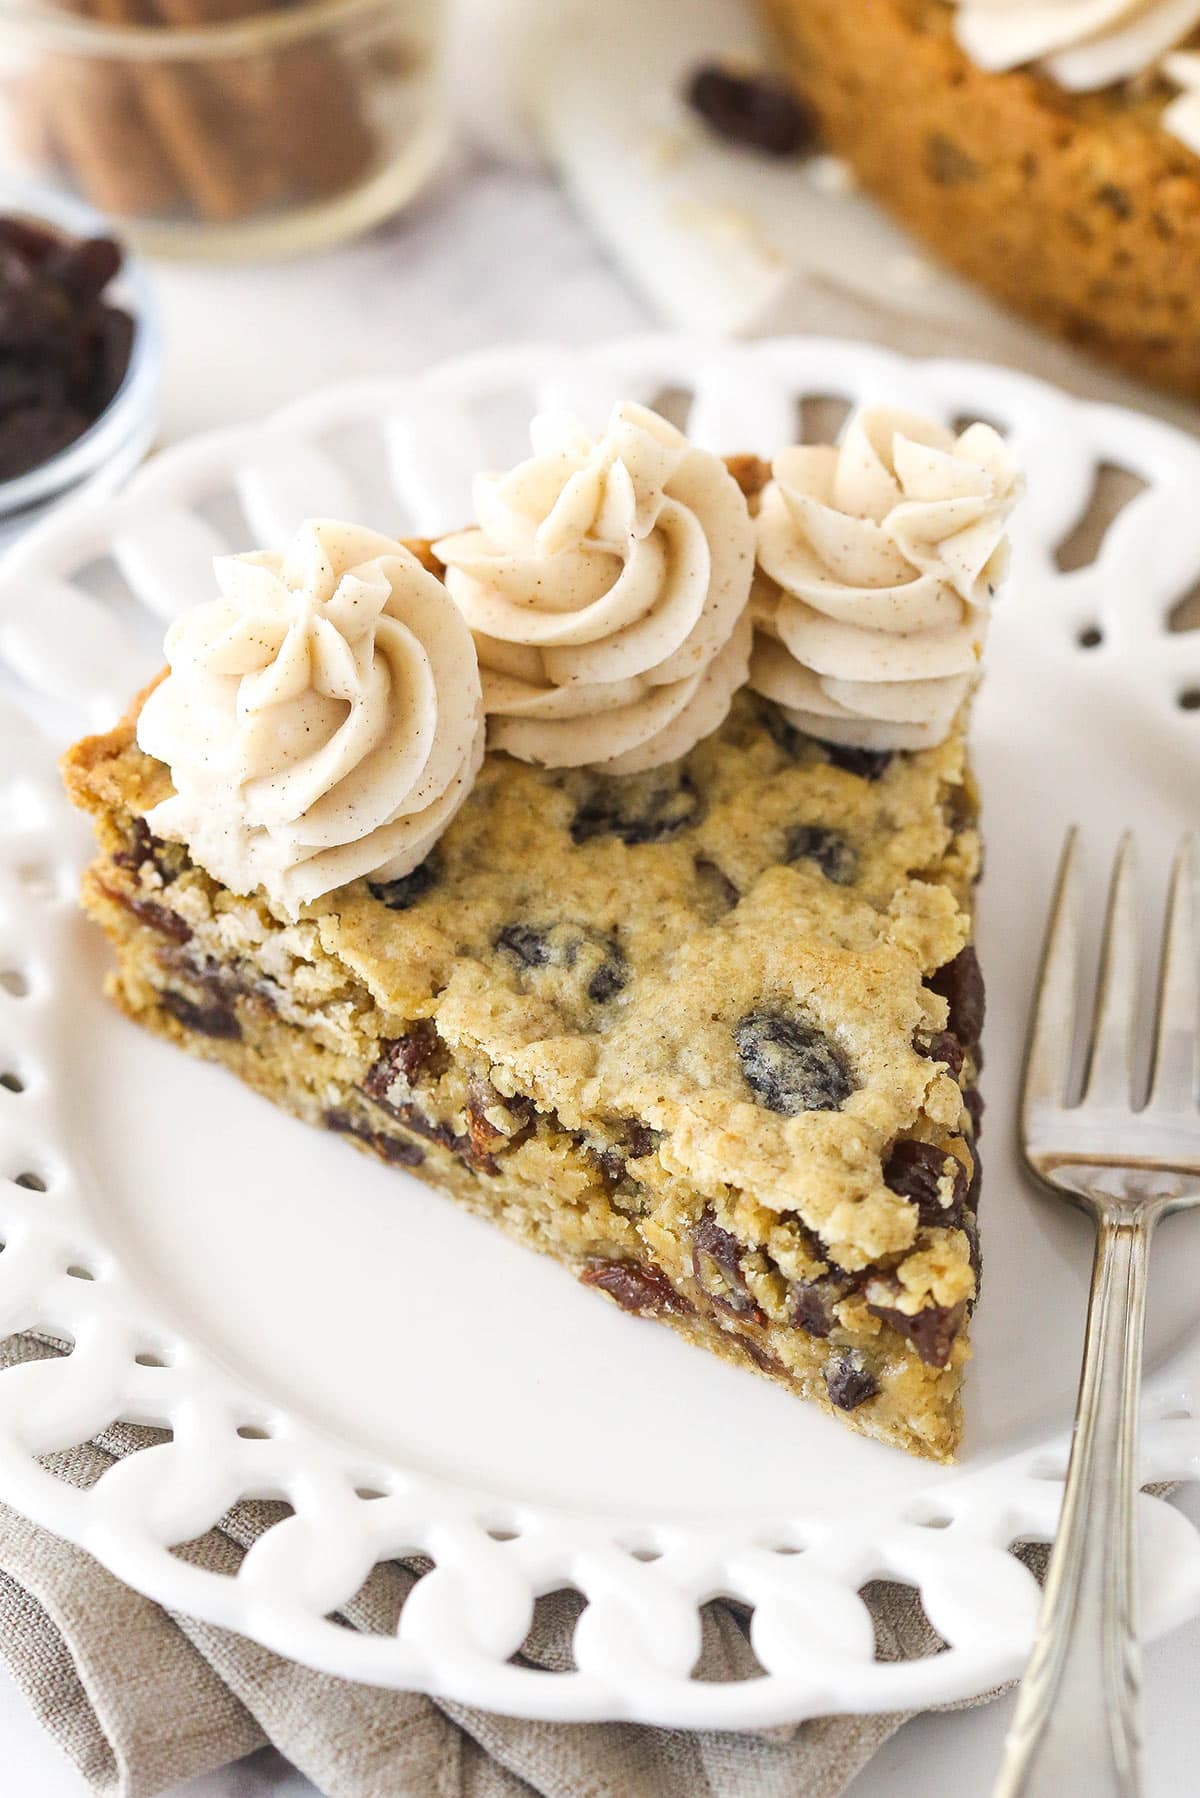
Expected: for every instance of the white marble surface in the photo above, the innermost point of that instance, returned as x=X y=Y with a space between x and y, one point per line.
x=493 y=255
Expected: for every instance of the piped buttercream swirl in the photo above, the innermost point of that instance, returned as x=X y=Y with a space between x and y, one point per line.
x=880 y=560
x=1182 y=116
x=1081 y=44
x=606 y=584
x=322 y=718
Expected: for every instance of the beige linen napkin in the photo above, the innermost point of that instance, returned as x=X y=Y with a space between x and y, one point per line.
x=141 y=1698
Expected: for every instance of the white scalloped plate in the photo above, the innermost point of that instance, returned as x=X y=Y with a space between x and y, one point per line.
x=312 y=1327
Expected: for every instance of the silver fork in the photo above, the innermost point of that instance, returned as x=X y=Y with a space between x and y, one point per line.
x=1127 y=1163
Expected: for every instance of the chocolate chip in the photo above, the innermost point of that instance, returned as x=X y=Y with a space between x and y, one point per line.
x=403 y=894
x=943 y=1045
x=848 y=1382
x=716 y=884
x=868 y=764
x=637 y=808
x=914 y=1170
x=931 y=1331
x=717 y=1266
x=960 y=983
x=757 y=110
x=206 y=1020
x=790 y=1065
x=831 y=850
x=638 y=1286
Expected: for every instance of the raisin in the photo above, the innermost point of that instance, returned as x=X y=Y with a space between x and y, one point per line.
x=608 y=979
x=757 y=110
x=637 y=808
x=391 y=1148
x=528 y=944
x=973 y=1100
x=219 y=981
x=848 y=1381
x=716 y=1262
x=960 y=983
x=790 y=1065
x=793 y=742
x=943 y=1045
x=560 y=946
x=403 y=894
x=831 y=850
x=762 y=1357
x=813 y=1302
x=914 y=1170
x=716 y=884
x=482 y=1133
x=931 y=1331
x=636 y=1141
x=947 y=163
x=402 y=1058
x=84 y=268
x=144 y=847
x=868 y=764
x=638 y=1286
x=206 y=1020
x=65 y=352
x=154 y=916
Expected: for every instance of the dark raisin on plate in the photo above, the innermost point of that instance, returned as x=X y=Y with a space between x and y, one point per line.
x=753 y=108
x=790 y=1065
x=64 y=349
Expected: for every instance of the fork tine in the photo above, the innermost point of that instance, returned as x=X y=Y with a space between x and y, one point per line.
x=1110 y=1060
x=1052 y=1027
x=1175 y=1083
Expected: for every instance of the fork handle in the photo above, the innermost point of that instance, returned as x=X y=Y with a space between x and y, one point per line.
x=1077 y=1727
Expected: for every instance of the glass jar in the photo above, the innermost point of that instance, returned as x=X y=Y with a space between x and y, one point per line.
x=225 y=129
x=103 y=456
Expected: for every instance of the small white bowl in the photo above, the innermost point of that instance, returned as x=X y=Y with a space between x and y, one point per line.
x=112 y=446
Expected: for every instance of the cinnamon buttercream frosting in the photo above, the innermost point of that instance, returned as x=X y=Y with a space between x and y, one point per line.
x=606 y=585
x=879 y=560
x=1183 y=114
x=1081 y=44
x=322 y=718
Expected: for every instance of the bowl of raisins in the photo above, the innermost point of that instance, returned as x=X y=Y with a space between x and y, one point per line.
x=80 y=355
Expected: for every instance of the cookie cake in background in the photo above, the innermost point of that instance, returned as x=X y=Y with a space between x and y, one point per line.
x=1047 y=149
